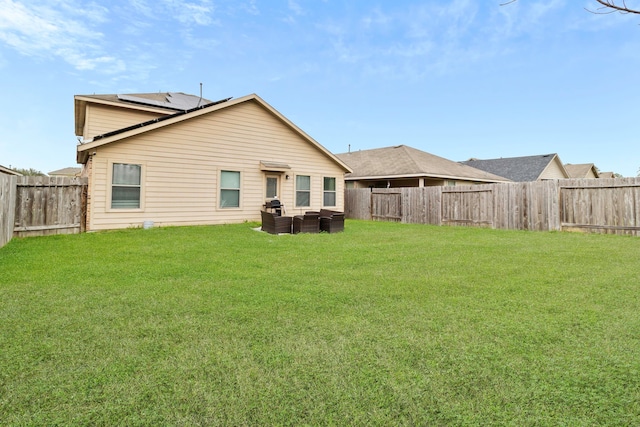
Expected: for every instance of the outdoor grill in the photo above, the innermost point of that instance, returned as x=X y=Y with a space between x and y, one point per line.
x=274 y=206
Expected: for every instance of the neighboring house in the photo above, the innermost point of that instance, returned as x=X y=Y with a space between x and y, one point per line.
x=8 y=171
x=606 y=175
x=66 y=172
x=404 y=166
x=523 y=169
x=176 y=159
x=586 y=170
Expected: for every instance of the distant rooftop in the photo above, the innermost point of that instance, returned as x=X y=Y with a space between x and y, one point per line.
x=581 y=170
x=403 y=161
x=518 y=169
x=9 y=171
x=71 y=171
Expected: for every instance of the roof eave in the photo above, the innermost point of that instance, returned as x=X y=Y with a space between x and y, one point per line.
x=423 y=175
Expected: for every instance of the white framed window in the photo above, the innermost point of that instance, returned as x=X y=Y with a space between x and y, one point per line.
x=303 y=191
x=126 y=186
x=229 y=189
x=272 y=184
x=329 y=191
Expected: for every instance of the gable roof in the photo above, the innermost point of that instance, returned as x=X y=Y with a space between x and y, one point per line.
x=519 y=169
x=70 y=171
x=403 y=161
x=9 y=171
x=160 y=102
x=180 y=116
x=581 y=170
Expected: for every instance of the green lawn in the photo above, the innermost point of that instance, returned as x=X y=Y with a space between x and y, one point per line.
x=384 y=324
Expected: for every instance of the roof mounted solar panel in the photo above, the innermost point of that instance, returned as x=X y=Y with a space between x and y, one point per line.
x=145 y=101
x=184 y=101
x=173 y=100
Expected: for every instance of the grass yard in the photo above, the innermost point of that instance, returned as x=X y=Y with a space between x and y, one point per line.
x=384 y=324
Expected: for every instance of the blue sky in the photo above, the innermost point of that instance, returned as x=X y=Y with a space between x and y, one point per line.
x=459 y=79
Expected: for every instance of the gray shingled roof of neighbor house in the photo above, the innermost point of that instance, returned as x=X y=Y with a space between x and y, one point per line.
x=404 y=161
x=518 y=169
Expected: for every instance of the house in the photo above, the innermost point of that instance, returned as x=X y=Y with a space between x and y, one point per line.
x=404 y=166
x=8 y=171
x=586 y=170
x=523 y=169
x=178 y=159
x=602 y=175
x=66 y=172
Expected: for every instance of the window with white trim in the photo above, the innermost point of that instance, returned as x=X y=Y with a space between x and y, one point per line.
x=125 y=186
x=229 y=189
x=272 y=187
x=329 y=191
x=303 y=190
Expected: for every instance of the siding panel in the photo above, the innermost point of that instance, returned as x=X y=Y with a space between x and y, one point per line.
x=182 y=163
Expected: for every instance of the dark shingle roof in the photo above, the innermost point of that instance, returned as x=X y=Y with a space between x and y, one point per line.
x=519 y=169
x=404 y=161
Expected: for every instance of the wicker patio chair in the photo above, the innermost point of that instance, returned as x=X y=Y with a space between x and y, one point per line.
x=331 y=221
x=307 y=223
x=274 y=224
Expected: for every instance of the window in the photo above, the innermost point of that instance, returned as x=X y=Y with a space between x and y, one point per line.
x=329 y=198
x=272 y=187
x=303 y=190
x=125 y=186
x=229 y=189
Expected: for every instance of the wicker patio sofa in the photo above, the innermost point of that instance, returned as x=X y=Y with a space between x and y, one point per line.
x=307 y=223
x=275 y=224
x=331 y=221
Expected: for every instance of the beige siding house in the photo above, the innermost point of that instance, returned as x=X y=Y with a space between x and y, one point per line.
x=192 y=161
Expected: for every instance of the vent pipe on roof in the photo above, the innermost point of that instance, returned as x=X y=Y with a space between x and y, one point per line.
x=349 y=148
x=200 y=100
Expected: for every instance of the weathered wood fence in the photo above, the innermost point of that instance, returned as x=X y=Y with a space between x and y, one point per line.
x=7 y=207
x=594 y=205
x=40 y=206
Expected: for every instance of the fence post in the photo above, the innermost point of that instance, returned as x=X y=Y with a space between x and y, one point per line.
x=7 y=207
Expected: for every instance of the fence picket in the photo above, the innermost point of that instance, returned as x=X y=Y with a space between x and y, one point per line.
x=595 y=205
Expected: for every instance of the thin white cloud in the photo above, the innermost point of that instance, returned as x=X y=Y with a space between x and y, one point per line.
x=405 y=42
x=295 y=7
x=251 y=8
x=41 y=31
x=376 y=18
x=199 y=12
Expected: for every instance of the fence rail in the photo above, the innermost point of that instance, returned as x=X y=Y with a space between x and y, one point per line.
x=593 y=205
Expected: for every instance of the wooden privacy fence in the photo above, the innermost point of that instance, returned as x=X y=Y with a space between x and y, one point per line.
x=49 y=205
x=594 y=205
x=7 y=207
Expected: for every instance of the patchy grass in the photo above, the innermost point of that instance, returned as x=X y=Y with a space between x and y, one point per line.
x=382 y=324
